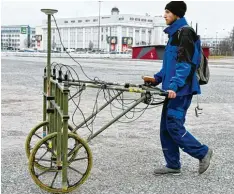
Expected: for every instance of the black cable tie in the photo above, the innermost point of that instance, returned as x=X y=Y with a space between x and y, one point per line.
x=104 y=86
x=54 y=74
x=127 y=85
x=66 y=77
x=60 y=76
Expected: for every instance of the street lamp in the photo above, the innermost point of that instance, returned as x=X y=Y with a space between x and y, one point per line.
x=205 y=33
x=99 y=25
x=216 y=43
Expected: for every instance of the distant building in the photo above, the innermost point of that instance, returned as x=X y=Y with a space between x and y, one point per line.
x=16 y=37
x=213 y=43
x=122 y=31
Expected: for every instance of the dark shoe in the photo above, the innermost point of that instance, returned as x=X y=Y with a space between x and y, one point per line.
x=165 y=171
x=205 y=162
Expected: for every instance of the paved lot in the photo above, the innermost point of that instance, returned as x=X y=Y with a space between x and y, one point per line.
x=125 y=155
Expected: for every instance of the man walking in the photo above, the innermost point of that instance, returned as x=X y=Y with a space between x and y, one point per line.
x=179 y=79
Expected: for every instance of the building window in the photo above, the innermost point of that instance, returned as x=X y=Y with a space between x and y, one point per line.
x=73 y=21
x=79 y=21
x=95 y=20
x=87 y=20
x=131 y=18
x=102 y=38
x=65 y=22
x=137 y=31
x=150 y=20
x=105 y=17
x=143 y=31
x=121 y=18
x=143 y=20
x=137 y=19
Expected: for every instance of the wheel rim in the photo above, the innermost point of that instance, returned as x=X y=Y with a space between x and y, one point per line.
x=35 y=135
x=49 y=179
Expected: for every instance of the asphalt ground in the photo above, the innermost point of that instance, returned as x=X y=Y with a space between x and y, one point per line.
x=125 y=154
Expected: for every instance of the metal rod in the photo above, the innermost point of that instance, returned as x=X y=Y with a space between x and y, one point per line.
x=106 y=83
x=48 y=54
x=44 y=104
x=65 y=135
x=94 y=114
x=130 y=89
x=99 y=25
x=58 y=129
x=110 y=41
x=52 y=116
x=116 y=118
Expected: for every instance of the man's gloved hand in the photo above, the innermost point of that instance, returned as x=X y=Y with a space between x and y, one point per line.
x=149 y=80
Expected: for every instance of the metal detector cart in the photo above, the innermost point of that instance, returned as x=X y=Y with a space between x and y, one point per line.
x=59 y=160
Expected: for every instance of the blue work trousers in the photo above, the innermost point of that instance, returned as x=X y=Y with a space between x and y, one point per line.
x=173 y=134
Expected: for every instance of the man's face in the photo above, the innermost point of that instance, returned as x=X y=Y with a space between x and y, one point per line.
x=169 y=17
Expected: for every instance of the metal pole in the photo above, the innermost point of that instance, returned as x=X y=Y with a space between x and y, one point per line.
x=110 y=39
x=196 y=27
x=216 y=44
x=117 y=118
x=48 y=54
x=48 y=12
x=100 y=109
x=64 y=106
x=99 y=25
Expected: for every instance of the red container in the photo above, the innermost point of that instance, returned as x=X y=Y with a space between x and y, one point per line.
x=155 y=52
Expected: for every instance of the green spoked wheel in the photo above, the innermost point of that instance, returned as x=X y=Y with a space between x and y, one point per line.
x=35 y=135
x=52 y=179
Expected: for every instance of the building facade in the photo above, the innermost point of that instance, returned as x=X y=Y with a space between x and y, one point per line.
x=17 y=37
x=213 y=44
x=115 y=32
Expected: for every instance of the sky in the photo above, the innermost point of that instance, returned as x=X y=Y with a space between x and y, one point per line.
x=213 y=17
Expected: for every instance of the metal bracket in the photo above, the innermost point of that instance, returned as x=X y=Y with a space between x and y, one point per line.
x=50 y=110
x=198 y=111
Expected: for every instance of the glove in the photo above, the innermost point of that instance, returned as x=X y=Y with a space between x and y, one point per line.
x=149 y=80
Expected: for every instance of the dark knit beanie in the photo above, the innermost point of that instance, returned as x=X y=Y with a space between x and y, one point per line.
x=177 y=7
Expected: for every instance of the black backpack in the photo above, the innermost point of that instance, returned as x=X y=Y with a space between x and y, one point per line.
x=202 y=71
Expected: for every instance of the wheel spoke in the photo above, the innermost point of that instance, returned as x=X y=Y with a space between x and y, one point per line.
x=49 y=149
x=43 y=155
x=71 y=152
x=76 y=170
x=83 y=158
x=45 y=171
x=38 y=136
x=76 y=147
x=44 y=160
x=54 y=179
x=68 y=184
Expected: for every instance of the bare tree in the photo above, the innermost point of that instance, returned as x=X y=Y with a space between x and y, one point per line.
x=226 y=47
x=232 y=40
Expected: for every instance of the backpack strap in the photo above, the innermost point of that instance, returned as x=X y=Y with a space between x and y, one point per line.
x=185 y=26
